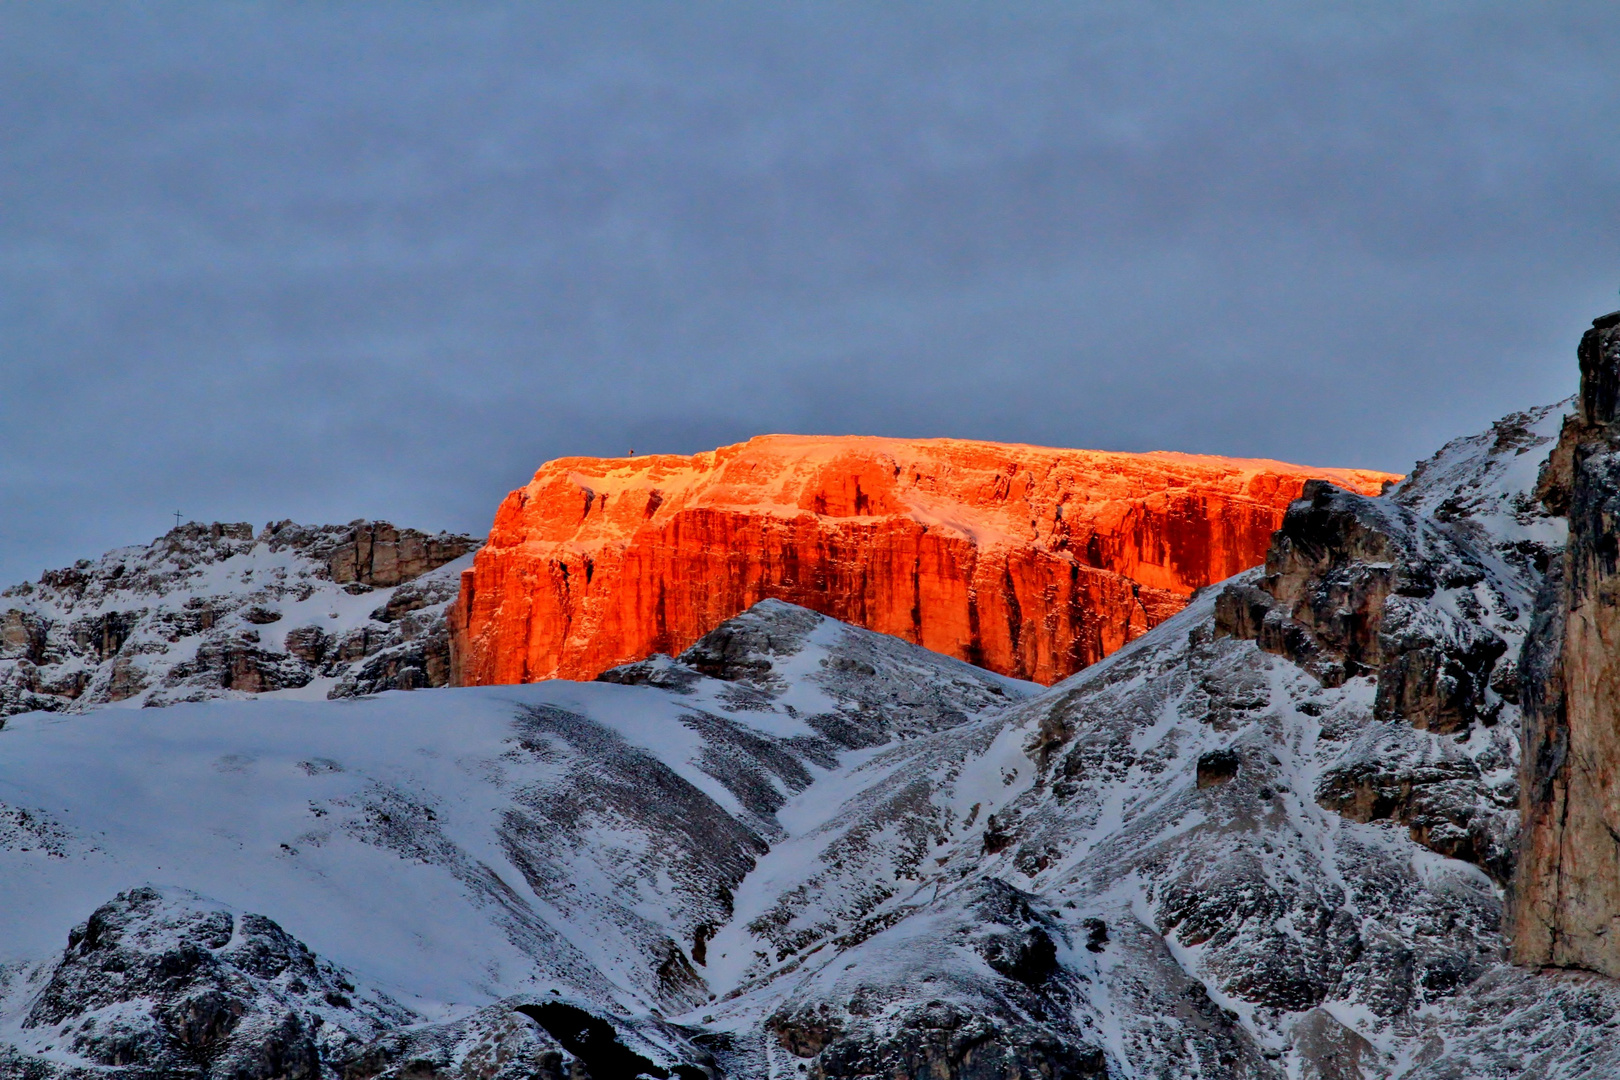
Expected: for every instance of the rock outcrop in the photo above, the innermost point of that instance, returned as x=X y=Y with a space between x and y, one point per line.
x=1567 y=893
x=1337 y=598
x=1031 y=562
x=376 y=553
x=216 y=610
x=164 y=984
x=1425 y=598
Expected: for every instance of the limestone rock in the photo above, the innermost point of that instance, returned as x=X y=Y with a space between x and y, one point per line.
x=1029 y=561
x=376 y=553
x=1567 y=893
x=1346 y=592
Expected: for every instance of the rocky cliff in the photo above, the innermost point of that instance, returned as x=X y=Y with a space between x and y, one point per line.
x=1426 y=598
x=1567 y=894
x=1031 y=562
x=218 y=610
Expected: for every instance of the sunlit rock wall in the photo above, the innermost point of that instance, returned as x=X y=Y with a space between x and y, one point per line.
x=1029 y=561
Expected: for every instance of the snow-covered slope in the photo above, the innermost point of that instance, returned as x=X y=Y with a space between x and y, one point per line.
x=1267 y=840
x=210 y=611
x=456 y=848
x=1484 y=487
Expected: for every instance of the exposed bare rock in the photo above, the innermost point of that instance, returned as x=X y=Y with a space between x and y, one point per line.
x=1219 y=766
x=376 y=553
x=1346 y=592
x=1567 y=893
x=1329 y=1050
x=216 y=610
x=1029 y=561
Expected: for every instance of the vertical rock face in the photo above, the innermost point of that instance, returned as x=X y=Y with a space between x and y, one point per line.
x=378 y=554
x=1567 y=891
x=1031 y=562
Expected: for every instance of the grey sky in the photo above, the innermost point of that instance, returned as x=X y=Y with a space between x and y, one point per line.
x=325 y=261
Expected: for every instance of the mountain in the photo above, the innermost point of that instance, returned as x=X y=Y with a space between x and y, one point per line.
x=1029 y=561
x=552 y=846
x=209 y=611
x=1267 y=839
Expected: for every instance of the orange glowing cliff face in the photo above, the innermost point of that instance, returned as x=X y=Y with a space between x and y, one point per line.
x=1030 y=561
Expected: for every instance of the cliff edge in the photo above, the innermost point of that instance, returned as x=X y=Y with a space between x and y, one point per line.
x=1031 y=562
x=1567 y=890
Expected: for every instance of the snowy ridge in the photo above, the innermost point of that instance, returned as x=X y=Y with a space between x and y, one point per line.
x=237 y=974
x=212 y=611
x=1484 y=487
x=452 y=849
x=1206 y=836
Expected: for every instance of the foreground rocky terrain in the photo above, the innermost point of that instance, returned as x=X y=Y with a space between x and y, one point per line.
x=1032 y=562
x=210 y=611
x=1273 y=838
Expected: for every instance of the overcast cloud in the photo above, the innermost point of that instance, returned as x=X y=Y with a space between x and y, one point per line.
x=326 y=261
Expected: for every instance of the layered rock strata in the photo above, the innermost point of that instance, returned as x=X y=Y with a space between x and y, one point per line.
x=1567 y=892
x=217 y=610
x=1031 y=562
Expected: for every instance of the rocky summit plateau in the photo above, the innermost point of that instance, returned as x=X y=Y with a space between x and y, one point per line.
x=1346 y=814
x=1029 y=561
